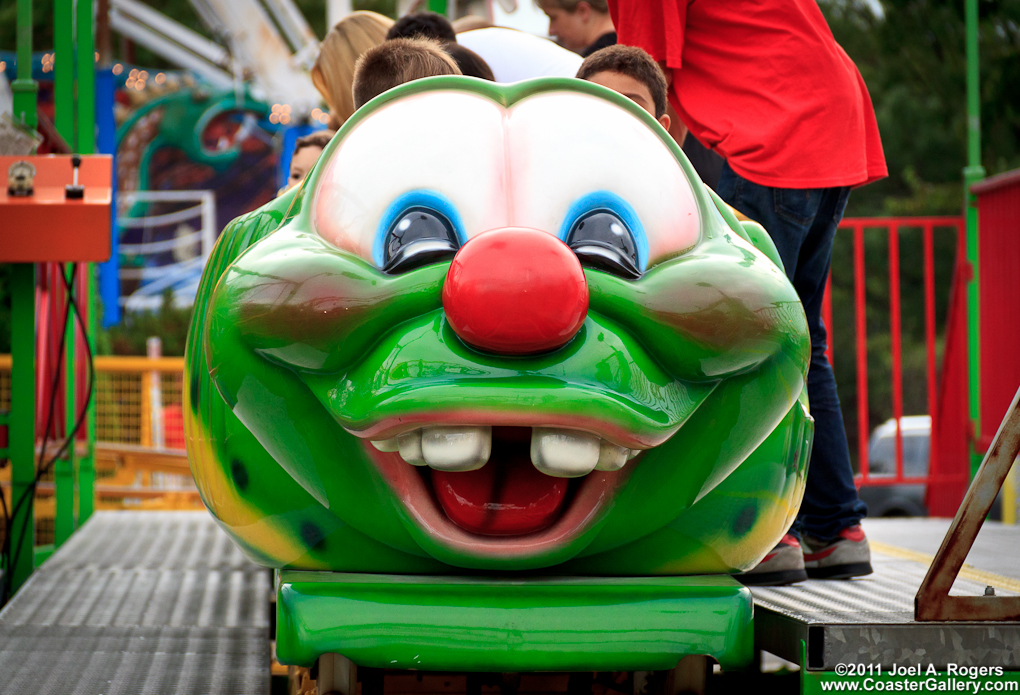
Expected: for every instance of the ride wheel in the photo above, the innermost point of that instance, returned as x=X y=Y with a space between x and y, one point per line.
x=337 y=675
x=688 y=676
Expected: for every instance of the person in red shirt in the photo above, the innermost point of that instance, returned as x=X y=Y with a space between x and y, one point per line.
x=764 y=84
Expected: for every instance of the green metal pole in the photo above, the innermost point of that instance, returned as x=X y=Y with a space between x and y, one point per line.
x=87 y=145
x=973 y=173
x=87 y=466
x=63 y=69
x=438 y=6
x=22 y=418
x=86 y=79
x=64 y=113
x=21 y=443
x=24 y=87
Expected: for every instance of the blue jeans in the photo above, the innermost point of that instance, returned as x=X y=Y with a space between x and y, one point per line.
x=802 y=223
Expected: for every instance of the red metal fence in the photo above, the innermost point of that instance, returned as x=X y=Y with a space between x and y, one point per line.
x=891 y=226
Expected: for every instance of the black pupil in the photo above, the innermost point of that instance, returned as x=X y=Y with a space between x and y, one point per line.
x=602 y=239
x=416 y=225
x=418 y=237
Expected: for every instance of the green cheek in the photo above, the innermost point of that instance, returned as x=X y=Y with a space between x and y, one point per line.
x=732 y=527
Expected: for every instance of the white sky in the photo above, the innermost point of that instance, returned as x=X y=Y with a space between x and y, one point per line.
x=527 y=17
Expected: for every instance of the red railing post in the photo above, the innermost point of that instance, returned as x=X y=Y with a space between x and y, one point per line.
x=895 y=334
x=892 y=226
x=929 y=339
x=862 y=349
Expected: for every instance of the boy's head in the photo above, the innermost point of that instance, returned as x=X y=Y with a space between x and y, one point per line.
x=631 y=72
x=576 y=24
x=396 y=62
x=469 y=62
x=306 y=151
x=422 y=25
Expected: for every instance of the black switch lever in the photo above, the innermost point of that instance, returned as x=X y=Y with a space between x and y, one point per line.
x=73 y=191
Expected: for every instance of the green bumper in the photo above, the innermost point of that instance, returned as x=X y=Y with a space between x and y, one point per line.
x=538 y=624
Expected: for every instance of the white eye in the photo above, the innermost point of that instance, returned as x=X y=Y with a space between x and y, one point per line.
x=567 y=146
x=358 y=196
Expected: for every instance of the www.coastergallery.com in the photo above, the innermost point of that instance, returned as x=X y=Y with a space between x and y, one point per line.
x=943 y=684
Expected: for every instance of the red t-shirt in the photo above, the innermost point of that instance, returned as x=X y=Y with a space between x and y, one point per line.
x=763 y=83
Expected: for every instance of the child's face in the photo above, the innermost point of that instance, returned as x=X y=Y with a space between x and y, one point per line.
x=301 y=163
x=634 y=90
x=569 y=28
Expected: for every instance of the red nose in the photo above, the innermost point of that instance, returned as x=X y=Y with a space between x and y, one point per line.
x=515 y=291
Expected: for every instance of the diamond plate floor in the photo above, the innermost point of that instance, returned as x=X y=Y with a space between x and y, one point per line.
x=871 y=619
x=139 y=603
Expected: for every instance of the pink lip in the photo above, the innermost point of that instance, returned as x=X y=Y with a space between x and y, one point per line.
x=593 y=496
x=391 y=427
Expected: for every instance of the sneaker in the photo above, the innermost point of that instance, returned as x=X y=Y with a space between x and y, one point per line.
x=783 y=565
x=845 y=556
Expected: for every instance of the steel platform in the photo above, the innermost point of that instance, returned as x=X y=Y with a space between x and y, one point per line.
x=163 y=602
x=140 y=602
x=871 y=620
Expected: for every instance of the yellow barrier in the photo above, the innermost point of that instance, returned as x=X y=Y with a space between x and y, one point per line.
x=138 y=400
x=140 y=460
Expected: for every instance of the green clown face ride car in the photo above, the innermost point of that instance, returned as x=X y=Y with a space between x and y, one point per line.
x=499 y=328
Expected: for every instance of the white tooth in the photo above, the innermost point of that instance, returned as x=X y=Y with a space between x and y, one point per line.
x=633 y=453
x=386 y=445
x=611 y=457
x=409 y=446
x=564 y=453
x=456 y=448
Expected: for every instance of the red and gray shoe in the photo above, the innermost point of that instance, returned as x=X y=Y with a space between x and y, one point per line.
x=783 y=565
x=847 y=555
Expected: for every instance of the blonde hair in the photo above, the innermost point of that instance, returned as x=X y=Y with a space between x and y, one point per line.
x=333 y=72
x=470 y=23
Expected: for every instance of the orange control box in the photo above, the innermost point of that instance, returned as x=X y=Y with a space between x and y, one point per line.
x=47 y=226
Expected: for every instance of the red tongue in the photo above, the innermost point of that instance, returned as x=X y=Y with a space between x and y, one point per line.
x=507 y=496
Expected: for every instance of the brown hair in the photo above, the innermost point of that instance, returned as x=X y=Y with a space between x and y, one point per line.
x=571 y=5
x=319 y=138
x=632 y=62
x=333 y=72
x=398 y=61
x=426 y=25
x=469 y=62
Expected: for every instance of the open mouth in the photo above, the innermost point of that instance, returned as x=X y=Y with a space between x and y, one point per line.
x=502 y=488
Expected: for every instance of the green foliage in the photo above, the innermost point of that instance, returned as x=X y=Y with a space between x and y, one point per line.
x=170 y=323
x=914 y=62
x=42 y=25
x=386 y=7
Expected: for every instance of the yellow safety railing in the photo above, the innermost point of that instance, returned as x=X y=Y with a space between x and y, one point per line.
x=138 y=400
x=140 y=459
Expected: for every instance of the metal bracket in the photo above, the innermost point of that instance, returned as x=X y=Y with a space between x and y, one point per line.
x=933 y=601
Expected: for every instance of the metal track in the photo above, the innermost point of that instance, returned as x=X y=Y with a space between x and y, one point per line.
x=140 y=602
x=871 y=621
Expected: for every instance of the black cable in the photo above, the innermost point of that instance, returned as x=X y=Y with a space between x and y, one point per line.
x=17 y=504
x=68 y=442
x=43 y=469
